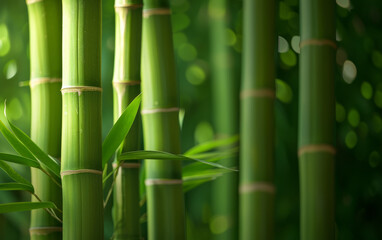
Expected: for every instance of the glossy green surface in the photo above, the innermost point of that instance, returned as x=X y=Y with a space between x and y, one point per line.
x=257 y=133
x=81 y=133
x=45 y=19
x=165 y=203
x=127 y=66
x=317 y=120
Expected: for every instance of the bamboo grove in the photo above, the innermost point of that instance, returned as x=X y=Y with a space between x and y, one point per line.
x=139 y=166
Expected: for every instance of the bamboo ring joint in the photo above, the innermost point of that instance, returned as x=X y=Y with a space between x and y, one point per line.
x=257 y=187
x=156 y=11
x=33 y=1
x=128 y=83
x=79 y=89
x=159 y=110
x=128 y=5
x=159 y=181
x=318 y=42
x=44 y=230
x=127 y=165
x=37 y=81
x=257 y=93
x=313 y=148
x=71 y=172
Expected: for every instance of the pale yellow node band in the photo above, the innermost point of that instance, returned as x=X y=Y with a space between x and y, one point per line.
x=314 y=148
x=257 y=187
x=159 y=181
x=69 y=89
x=37 y=81
x=156 y=11
x=318 y=42
x=44 y=230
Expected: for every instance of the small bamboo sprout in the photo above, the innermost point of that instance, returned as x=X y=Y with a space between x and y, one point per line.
x=257 y=121
x=165 y=201
x=316 y=119
x=81 y=168
x=126 y=83
x=45 y=19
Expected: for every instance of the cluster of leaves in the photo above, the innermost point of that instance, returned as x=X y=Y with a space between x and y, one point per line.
x=203 y=169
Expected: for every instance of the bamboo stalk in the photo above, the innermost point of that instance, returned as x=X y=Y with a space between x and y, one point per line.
x=316 y=119
x=81 y=169
x=257 y=121
x=126 y=83
x=165 y=201
x=225 y=85
x=45 y=23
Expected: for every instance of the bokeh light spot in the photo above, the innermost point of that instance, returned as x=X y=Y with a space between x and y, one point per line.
x=353 y=117
x=179 y=22
x=366 y=90
x=187 y=52
x=219 y=224
x=283 y=91
x=295 y=43
x=195 y=75
x=283 y=45
x=230 y=37
x=374 y=159
x=10 y=69
x=376 y=57
x=351 y=139
x=349 y=72
x=204 y=132
x=5 y=44
x=289 y=58
x=343 y=3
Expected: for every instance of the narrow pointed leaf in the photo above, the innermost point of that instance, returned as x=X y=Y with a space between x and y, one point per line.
x=24 y=206
x=16 y=187
x=20 y=160
x=15 y=142
x=13 y=174
x=207 y=146
x=43 y=157
x=158 y=155
x=119 y=131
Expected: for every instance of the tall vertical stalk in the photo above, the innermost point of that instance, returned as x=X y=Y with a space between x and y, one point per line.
x=316 y=119
x=126 y=83
x=165 y=201
x=81 y=169
x=226 y=116
x=257 y=121
x=45 y=23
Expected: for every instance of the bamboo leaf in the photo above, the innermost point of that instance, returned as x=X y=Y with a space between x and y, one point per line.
x=15 y=142
x=158 y=155
x=43 y=157
x=119 y=131
x=207 y=146
x=13 y=174
x=20 y=160
x=16 y=187
x=24 y=206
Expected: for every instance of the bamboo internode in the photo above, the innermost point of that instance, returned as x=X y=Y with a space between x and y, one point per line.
x=79 y=171
x=159 y=110
x=127 y=165
x=257 y=93
x=33 y=1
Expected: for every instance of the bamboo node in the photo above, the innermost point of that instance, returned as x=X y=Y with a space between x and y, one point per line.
x=127 y=165
x=160 y=181
x=128 y=5
x=257 y=187
x=159 y=110
x=37 y=81
x=33 y=1
x=80 y=89
x=44 y=230
x=258 y=93
x=156 y=11
x=71 y=172
x=313 y=148
x=129 y=83
x=318 y=42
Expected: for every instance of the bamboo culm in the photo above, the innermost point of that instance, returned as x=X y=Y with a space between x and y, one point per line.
x=317 y=119
x=126 y=84
x=225 y=96
x=81 y=168
x=45 y=26
x=257 y=121
x=160 y=107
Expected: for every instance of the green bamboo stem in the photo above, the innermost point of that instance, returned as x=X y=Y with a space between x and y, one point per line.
x=165 y=200
x=126 y=83
x=316 y=119
x=81 y=169
x=257 y=121
x=45 y=24
x=225 y=94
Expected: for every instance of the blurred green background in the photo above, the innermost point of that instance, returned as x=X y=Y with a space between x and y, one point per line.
x=358 y=108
